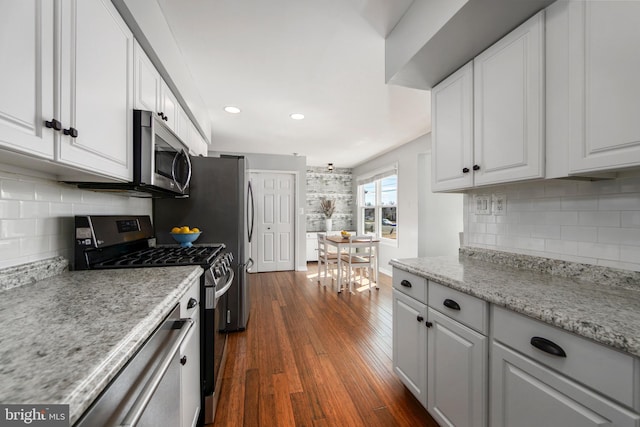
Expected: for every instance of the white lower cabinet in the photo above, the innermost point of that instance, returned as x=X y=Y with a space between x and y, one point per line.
x=190 y=359
x=525 y=393
x=456 y=372
x=410 y=344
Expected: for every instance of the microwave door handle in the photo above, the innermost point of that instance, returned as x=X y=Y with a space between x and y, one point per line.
x=173 y=170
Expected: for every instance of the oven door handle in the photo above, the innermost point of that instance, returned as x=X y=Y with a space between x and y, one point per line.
x=145 y=396
x=226 y=286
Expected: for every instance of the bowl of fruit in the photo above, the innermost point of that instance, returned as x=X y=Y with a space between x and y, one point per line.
x=345 y=234
x=185 y=235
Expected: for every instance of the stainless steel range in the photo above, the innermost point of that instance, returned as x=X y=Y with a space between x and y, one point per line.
x=105 y=242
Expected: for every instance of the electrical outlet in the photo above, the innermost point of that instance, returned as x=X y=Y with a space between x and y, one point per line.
x=499 y=204
x=483 y=204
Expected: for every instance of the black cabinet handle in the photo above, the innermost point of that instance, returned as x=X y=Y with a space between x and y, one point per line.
x=56 y=125
x=161 y=114
x=449 y=303
x=183 y=360
x=548 y=346
x=476 y=167
x=419 y=318
x=465 y=170
x=192 y=303
x=72 y=132
x=428 y=324
x=406 y=283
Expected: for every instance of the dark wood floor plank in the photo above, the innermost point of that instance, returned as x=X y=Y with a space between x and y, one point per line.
x=313 y=357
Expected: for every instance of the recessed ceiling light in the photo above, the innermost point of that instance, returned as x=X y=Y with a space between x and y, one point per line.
x=296 y=116
x=231 y=109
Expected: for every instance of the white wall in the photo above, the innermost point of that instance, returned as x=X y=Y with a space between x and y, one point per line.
x=417 y=227
x=588 y=222
x=36 y=215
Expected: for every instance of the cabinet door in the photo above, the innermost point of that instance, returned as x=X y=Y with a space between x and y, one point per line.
x=452 y=131
x=26 y=76
x=604 y=90
x=410 y=344
x=96 y=88
x=509 y=110
x=183 y=130
x=169 y=106
x=147 y=82
x=457 y=373
x=190 y=375
x=524 y=393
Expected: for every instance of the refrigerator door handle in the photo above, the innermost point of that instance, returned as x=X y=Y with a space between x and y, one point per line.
x=250 y=218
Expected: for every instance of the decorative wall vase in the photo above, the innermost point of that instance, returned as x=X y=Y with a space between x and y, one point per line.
x=327 y=224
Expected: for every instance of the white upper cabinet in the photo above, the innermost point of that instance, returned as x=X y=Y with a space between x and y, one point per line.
x=592 y=87
x=488 y=117
x=452 y=131
x=169 y=106
x=509 y=107
x=26 y=77
x=147 y=82
x=182 y=125
x=96 y=89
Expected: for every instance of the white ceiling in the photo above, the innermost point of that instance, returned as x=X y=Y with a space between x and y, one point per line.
x=322 y=58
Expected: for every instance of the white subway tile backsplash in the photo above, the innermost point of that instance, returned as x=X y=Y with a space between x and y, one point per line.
x=579 y=233
x=36 y=216
x=620 y=202
x=17 y=190
x=622 y=236
x=584 y=203
x=589 y=222
x=599 y=251
x=631 y=219
x=599 y=219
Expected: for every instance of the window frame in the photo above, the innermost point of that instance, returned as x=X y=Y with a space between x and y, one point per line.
x=376 y=178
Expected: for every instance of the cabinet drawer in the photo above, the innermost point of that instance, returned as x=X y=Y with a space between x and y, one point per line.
x=410 y=284
x=606 y=370
x=466 y=309
x=192 y=293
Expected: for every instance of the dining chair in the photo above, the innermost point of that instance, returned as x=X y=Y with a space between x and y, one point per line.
x=359 y=258
x=326 y=258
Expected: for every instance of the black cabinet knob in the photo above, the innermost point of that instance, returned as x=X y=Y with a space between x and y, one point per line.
x=161 y=114
x=465 y=170
x=192 y=303
x=429 y=324
x=406 y=283
x=53 y=123
x=476 y=167
x=449 y=303
x=72 y=132
x=419 y=318
x=183 y=360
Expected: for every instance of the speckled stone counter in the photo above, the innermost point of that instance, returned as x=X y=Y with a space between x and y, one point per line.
x=65 y=337
x=604 y=311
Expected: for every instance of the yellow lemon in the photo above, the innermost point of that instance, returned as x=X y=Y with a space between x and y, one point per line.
x=175 y=230
x=184 y=229
x=195 y=230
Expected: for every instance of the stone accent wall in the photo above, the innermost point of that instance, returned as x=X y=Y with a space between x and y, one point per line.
x=334 y=185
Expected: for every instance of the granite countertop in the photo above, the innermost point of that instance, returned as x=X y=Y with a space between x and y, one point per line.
x=605 y=307
x=65 y=337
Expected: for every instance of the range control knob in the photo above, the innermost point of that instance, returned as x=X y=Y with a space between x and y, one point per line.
x=229 y=256
x=217 y=272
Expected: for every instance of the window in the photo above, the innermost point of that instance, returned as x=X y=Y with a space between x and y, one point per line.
x=378 y=204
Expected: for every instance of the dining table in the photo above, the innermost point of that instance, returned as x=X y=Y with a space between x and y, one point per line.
x=342 y=243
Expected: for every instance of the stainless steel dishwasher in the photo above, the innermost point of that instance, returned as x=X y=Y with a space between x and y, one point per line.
x=146 y=392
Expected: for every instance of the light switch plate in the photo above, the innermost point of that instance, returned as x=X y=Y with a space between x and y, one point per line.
x=483 y=204
x=499 y=204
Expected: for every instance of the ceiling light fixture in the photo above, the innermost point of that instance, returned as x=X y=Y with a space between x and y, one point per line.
x=296 y=116
x=330 y=167
x=232 y=110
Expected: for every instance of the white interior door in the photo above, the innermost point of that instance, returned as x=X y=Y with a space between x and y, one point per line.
x=275 y=209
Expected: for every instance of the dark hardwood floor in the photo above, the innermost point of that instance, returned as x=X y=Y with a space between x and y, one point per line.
x=311 y=357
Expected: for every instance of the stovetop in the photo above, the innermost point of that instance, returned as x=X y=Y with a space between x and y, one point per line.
x=165 y=256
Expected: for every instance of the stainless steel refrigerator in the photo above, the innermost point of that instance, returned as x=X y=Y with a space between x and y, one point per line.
x=220 y=204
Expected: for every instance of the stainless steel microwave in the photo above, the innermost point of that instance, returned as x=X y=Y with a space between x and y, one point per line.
x=161 y=164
